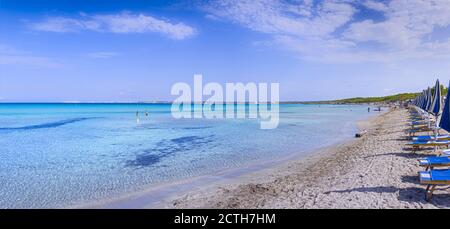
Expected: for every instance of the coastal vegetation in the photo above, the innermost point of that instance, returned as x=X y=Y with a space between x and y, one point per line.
x=402 y=97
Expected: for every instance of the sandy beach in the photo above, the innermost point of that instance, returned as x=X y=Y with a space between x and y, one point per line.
x=375 y=171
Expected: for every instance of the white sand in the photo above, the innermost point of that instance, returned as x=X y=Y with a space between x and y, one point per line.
x=375 y=171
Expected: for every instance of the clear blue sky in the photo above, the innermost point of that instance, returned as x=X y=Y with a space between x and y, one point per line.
x=93 y=50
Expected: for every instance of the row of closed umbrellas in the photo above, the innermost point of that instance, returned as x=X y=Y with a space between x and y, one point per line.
x=430 y=101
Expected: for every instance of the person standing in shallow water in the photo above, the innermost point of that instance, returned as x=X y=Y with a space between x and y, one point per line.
x=368 y=109
x=137 y=117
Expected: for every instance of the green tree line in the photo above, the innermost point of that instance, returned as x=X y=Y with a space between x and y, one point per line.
x=385 y=99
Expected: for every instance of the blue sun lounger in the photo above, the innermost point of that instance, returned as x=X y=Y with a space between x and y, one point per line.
x=433 y=178
x=445 y=152
x=425 y=138
x=414 y=131
x=431 y=162
x=422 y=129
x=420 y=121
x=417 y=144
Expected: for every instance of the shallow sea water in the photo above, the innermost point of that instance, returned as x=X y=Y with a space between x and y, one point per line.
x=58 y=155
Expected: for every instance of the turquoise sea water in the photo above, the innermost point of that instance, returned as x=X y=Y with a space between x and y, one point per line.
x=58 y=155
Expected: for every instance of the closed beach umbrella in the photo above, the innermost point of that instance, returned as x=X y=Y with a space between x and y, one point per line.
x=445 y=118
x=424 y=100
x=419 y=102
x=429 y=100
x=436 y=105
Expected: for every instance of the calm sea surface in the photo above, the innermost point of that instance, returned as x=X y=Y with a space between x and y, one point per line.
x=57 y=155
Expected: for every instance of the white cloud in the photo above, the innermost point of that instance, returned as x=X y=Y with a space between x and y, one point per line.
x=283 y=18
x=116 y=23
x=59 y=25
x=379 y=6
x=303 y=26
x=102 y=55
x=330 y=30
x=407 y=23
x=389 y=33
